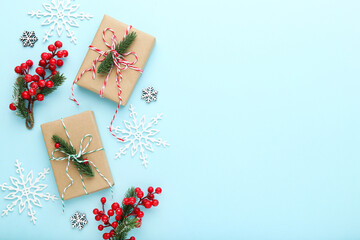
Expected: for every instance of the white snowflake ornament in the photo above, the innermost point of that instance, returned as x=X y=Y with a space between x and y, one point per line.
x=78 y=220
x=139 y=136
x=149 y=94
x=26 y=191
x=60 y=14
x=28 y=38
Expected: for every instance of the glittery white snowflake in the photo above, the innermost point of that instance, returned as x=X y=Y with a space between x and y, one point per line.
x=149 y=94
x=78 y=220
x=139 y=136
x=60 y=14
x=26 y=191
x=28 y=38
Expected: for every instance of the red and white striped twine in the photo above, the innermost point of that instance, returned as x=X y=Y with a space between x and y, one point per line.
x=118 y=60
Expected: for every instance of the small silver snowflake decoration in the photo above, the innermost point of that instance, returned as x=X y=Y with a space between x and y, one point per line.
x=26 y=191
x=149 y=94
x=60 y=14
x=78 y=220
x=28 y=38
x=139 y=136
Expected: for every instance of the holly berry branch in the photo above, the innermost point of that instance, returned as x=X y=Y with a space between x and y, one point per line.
x=128 y=216
x=30 y=88
x=82 y=164
x=121 y=48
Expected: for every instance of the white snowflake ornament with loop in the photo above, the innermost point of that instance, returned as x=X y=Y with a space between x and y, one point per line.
x=60 y=14
x=139 y=136
x=26 y=191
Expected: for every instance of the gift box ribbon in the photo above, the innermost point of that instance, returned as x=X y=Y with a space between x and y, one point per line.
x=120 y=63
x=75 y=157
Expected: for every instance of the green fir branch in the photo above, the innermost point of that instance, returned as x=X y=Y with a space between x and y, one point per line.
x=84 y=169
x=121 y=48
x=57 y=79
x=18 y=101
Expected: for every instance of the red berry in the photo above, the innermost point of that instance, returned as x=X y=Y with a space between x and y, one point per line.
x=114 y=224
x=136 y=210
x=34 y=85
x=40 y=71
x=25 y=94
x=100 y=227
x=29 y=63
x=117 y=217
x=49 y=84
x=106 y=235
x=138 y=223
x=95 y=211
x=150 y=189
x=58 y=44
x=32 y=92
x=41 y=83
x=44 y=56
x=140 y=214
x=112 y=233
x=111 y=212
x=97 y=217
x=140 y=194
x=54 y=72
x=59 y=54
x=23 y=66
x=137 y=190
x=103 y=200
x=59 y=62
x=132 y=200
x=39 y=97
x=126 y=201
x=132 y=238
x=118 y=211
x=52 y=67
x=65 y=53
x=148 y=204
x=12 y=107
x=35 y=78
x=115 y=206
x=57 y=145
x=28 y=78
x=52 y=61
x=51 y=48
x=101 y=212
x=42 y=63
x=158 y=190
x=151 y=196
x=105 y=218
x=17 y=69
x=155 y=202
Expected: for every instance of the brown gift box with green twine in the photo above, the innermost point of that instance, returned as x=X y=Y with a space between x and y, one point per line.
x=92 y=163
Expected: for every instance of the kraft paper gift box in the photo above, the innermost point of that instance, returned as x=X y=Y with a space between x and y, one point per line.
x=142 y=46
x=77 y=127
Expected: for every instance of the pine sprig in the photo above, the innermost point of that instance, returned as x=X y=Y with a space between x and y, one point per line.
x=57 y=79
x=83 y=168
x=19 y=102
x=129 y=223
x=121 y=48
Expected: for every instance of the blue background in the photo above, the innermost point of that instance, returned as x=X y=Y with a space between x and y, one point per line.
x=261 y=108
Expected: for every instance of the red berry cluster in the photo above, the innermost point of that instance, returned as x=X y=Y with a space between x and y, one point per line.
x=37 y=82
x=147 y=201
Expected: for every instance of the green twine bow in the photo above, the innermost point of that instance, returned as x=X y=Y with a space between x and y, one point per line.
x=83 y=165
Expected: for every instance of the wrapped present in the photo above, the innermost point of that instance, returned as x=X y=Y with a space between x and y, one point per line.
x=77 y=155
x=114 y=62
x=130 y=62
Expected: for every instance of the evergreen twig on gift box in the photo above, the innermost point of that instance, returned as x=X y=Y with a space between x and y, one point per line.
x=121 y=48
x=83 y=167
